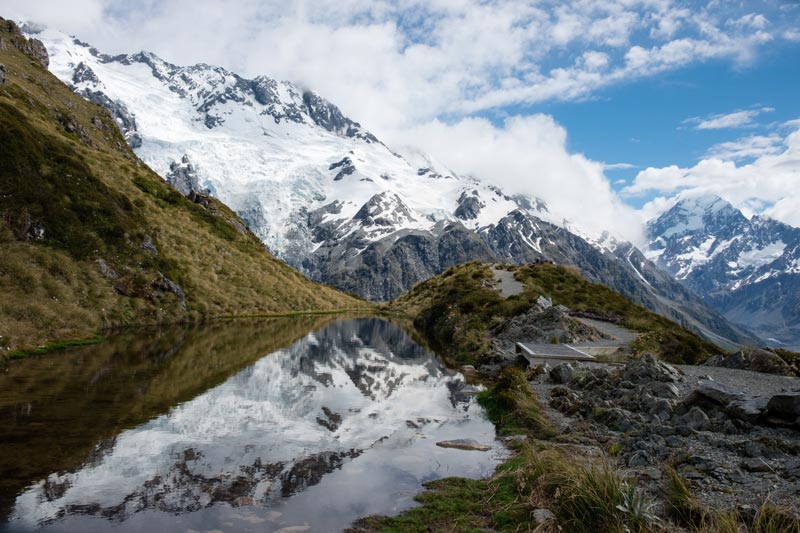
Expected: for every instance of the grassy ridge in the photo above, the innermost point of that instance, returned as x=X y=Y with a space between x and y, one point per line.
x=658 y=335
x=91 y=238
x=458 y=309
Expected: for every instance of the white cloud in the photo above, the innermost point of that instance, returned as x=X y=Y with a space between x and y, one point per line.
x=594 y=60
x=529 y=155
x=742 y=118
x=769 y=185
x=747 y=147
x=407 y=61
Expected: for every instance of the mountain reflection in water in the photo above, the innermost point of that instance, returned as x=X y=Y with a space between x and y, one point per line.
x=340 y=424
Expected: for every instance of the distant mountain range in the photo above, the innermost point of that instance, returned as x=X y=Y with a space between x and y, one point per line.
x=748 y=269
x=329 y=198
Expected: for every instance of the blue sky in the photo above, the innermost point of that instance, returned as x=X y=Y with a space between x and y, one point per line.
x=534 y=95
x=642 y=123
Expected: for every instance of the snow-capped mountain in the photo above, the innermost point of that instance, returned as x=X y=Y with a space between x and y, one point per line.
x=749 y=269
x=331 y=199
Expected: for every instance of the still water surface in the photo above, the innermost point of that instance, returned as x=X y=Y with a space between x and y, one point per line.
x=253 y=426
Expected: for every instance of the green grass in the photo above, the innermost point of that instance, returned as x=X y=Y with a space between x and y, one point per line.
x=775 y=519
x=43 y=179
x=54 y=346
x=294 y=314
x=681 y=505
x=583 y=498
x=457 y=310
x=513 y=407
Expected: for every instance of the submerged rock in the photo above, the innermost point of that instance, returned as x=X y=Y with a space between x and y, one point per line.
x=464 y=444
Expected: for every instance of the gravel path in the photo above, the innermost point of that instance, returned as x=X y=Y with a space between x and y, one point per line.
x=617 y=334
x=506 y=283
x=754 y=383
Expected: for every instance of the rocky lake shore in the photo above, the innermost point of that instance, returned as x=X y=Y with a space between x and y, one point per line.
x=732 y=435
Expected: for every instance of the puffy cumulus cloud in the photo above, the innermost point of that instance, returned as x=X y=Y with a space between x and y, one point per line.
x=78 y=15
x=769 y=185
x=390 y=62
x=528 y=155
x=747 y=147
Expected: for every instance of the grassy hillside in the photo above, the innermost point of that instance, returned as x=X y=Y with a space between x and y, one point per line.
x=91 y=237
x=458 y=309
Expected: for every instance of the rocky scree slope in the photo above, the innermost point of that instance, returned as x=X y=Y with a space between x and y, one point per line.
x=328 y=197
x=91 y=237
x=748 y=269
x=732 y=436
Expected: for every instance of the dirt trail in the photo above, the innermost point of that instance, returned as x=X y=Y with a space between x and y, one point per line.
x=506 y=283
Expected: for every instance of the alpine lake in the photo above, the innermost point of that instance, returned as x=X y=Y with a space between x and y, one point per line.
x=286 y=424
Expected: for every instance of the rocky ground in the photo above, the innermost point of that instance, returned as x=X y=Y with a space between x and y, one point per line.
x=733 y=435
x=543 y=323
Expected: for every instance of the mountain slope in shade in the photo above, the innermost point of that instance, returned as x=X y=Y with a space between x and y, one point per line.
x=91 y=237
x=748 y=269
x=330 y=198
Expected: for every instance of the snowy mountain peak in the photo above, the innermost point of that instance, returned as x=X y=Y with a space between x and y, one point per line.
x=213 y=91
x=273 y=151
x=747 y=268
x=696 y=214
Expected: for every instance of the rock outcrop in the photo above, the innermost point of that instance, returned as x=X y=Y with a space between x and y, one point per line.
x=756 y=360
x=184 y=178
x=734 y=445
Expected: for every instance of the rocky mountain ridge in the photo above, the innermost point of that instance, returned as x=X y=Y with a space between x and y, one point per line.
x=748 y=269
x=328 y=197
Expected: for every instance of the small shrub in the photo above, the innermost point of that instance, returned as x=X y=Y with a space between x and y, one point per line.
x=775 y=519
